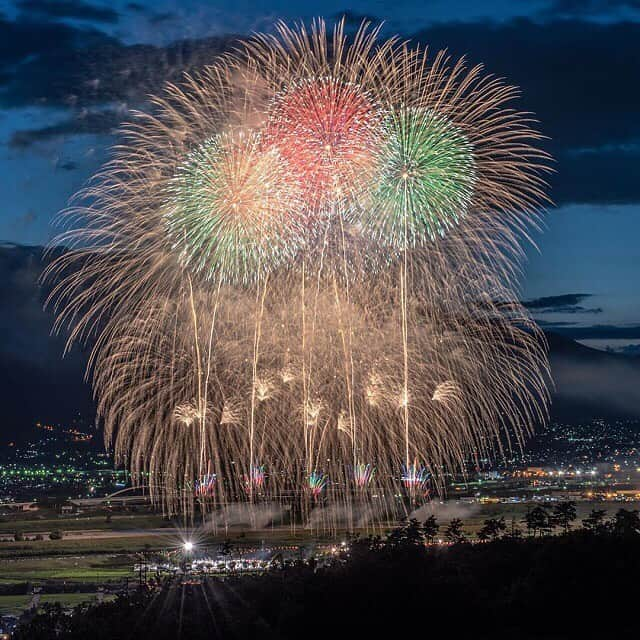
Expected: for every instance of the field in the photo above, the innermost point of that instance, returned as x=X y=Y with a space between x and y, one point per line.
x=88 y=545
x=95 y=551
x=36 y=523
x=78 y=568
x=15 y=605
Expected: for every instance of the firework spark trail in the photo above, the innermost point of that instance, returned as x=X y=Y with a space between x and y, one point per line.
x=363 y=474
x=303 y=258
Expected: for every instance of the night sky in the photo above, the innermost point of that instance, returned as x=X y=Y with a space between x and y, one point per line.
x=70 y=70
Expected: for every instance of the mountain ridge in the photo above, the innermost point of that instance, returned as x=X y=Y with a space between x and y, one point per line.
x=38 y=384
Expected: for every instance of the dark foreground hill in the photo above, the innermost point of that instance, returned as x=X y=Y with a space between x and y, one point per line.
x=37 y=384
x=578 y=585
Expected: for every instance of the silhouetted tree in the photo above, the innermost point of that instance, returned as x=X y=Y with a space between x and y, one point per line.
x=514 y=532
x=538 y=520
x=595 y=522
x=454 y=532
x=414 y=533
x=410 y=535
x=626 y=523
x=492 y=529
x=430 y=528
x=564 y=513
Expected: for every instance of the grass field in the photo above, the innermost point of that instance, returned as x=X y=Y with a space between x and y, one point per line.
x=68 y=568
x=96 y=560
x=17 y=604
x=50 y=522
x=121 y=544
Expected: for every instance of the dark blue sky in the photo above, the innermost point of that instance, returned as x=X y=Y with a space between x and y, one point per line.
x=70 y=69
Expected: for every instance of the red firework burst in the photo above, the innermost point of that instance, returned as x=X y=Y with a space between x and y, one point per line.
x=325 y=129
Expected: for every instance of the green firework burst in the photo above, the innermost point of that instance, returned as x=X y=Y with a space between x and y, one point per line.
x=426 y=179
x=232 y=209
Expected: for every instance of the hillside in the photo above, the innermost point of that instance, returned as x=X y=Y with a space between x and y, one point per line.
x=37 y=384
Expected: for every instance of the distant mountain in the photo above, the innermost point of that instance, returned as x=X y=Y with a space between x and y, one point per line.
x=590 y=382
x=37 y=384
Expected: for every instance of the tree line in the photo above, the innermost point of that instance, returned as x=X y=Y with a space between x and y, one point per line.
x=518 y=582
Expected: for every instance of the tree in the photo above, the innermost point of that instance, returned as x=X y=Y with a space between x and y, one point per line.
x=594 y=522
x=538 y=520
x=564 y=513
x=18 y=536
x=514 y=532
x=492 y=529
x=430 y=528
x=413 y=533
x=454 y=532
x=407 y=536
x=626 y=523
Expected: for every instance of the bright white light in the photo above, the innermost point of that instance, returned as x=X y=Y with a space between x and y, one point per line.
x=188 y=546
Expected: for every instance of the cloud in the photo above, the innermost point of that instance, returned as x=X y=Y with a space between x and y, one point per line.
x=101 y=122
x=578 y=8
x=567 y=299
x=23 y=40
x=554 y=325
x=68 y=9
x=604 y=175
x=25 y=220
x=354 y=19
x=599 y=332
x=566 y=303
x=576 y=309
x=160 y=18
x=66 y=165
x=58 y=65
x=627 y=349
x=576 y=77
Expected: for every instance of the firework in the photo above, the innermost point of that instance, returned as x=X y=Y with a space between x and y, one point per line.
x=312 y=411
x=205 y=486
x=231 y=412
x=307 y=255
x=426 y=181
x=317 y=482
x=326 y=129
x=189 y=413
x=363 y=474
x=414 y=476
x=233 y=211
x=264 y=388
x=256 y=478
x=447 y=392
x=344 y=424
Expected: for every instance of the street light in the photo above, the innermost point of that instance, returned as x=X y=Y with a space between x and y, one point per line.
x=188 y=546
